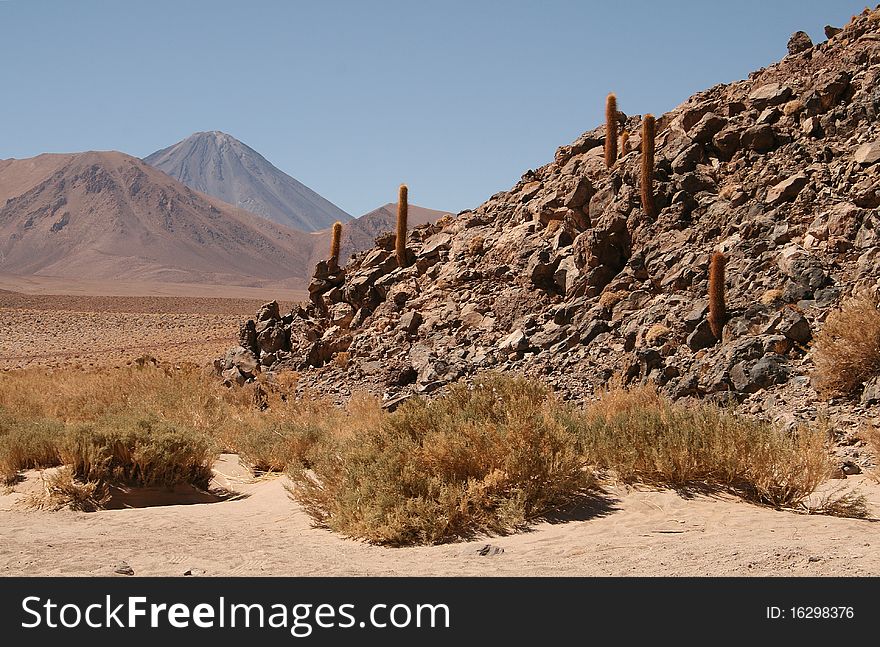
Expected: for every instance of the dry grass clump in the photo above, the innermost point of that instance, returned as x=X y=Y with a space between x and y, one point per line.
x=771 y=297
x=610 y=298
x=645 y=438
x=270 y=440
x=839 y=503
x=184 y=395
x=62 y=490
x=144 y=405
x=657 y=333
x=27 y=444
x=486 y=457
x=138 y=451
x=847 y=349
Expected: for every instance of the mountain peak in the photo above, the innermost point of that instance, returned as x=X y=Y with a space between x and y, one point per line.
x=222 y=166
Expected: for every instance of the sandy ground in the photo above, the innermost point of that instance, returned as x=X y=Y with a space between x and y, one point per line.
x=39 y=330
x=627 y=533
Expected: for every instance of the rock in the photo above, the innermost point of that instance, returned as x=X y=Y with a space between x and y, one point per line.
x=272 y=338
x=850 y=468
x=410 y=322
x=123 y=569
x=799 y=42
x=727 y=142
x=871 y=392
x=802 y=267
x=688 y=159
x=591 y=329
x=771 y=94
x=705 y=129
x=268 y=312
x=759 y=138
x=247 y=336
x=701 y=337
x=242 y=359
x=541 y=270
x=868 y=154
x=488 y=550
x=514 y=342
x=831 y=32
x=233 y=376
x=436 y=244
x=787 y=189
x=794 y=326
x=769 y=370
x=579 y=195
x=341 y=314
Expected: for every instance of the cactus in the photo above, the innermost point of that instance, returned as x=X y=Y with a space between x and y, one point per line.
x=335 y=241
x=402 y=210
x=717 y=307
x=610 y=130
x=624 y=143
x=648 y=132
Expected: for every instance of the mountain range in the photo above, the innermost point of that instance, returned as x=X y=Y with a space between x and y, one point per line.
x=108 y=216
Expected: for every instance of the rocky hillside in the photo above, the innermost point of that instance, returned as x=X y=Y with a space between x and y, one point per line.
x=109 y=216
x=565 y=277
x=223 y=167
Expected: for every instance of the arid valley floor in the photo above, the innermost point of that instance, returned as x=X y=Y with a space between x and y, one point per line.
x=625 y=533
x=262 y=531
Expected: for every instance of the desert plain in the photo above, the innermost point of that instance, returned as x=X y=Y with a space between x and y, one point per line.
x=253 y=526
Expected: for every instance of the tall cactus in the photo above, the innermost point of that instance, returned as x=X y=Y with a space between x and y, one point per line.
x=649 y=128
x=624 y=143
x=717 y=305
x=335 y=242
x=610 y=130
x=402 y=211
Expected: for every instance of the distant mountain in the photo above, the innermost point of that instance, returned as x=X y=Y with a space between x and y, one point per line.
x=221 y=166
x=360 y=233
x=106 y=215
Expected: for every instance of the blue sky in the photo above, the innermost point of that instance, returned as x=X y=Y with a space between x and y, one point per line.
x=455 y=98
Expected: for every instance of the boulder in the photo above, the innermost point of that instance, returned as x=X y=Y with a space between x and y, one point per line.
x=760 y=138
x=268 y=312
x=771 y=94
x=786 y=190
x=868 y=154
x=799 y=42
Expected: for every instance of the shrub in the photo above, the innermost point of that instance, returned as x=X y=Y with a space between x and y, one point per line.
x=138 y=451
x=62 y=490
x=484 y=458
x=645 y=438
x=268 y=441
x=846 y=351
x=27 y=444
